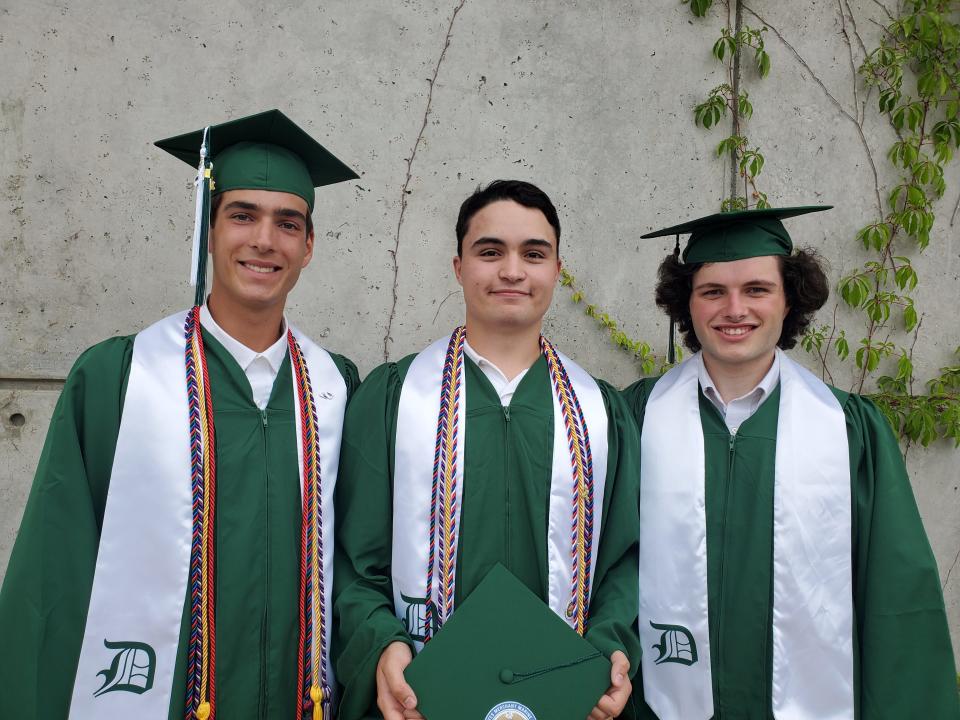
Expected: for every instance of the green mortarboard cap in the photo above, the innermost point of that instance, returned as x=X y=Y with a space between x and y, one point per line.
x=727 y=236
x=505 y=654
x=266 y=151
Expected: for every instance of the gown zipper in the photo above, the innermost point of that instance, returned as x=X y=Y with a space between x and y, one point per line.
x=731 y=454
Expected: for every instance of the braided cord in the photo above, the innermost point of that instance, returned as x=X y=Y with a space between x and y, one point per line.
x=314 y=690
x=581 y=461
x=201 y=654
x=443 y=492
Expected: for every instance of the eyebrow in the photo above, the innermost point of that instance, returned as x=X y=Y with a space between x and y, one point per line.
x=530 y=242
x=749 y=283
x=281 y=212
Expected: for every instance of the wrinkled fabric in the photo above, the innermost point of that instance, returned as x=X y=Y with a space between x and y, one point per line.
x=903 y=660
x=46 y=590
x=508 y=458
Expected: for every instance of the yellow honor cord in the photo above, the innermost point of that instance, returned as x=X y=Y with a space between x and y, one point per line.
x=203 y=711
x=316 y=694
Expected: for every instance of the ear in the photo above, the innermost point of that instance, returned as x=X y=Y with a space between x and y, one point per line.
x=309 y=255
x=457 y=267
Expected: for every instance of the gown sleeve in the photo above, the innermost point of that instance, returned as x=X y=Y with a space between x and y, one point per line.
x=906 y=664
x=351 y=377
x=613 y=607
x=46 y=590
x=364 y=620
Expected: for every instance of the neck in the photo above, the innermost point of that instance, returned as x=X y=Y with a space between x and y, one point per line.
x=734 y=380
x=511 y=351
x=255 y=328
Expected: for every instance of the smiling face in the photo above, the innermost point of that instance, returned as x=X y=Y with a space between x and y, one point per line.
x=509 y=267
x=259 y=243
x=737 y=309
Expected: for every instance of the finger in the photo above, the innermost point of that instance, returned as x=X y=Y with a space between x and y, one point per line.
x=597 y=714
x=613 y=702
x=619 y=668
x=398 y=687
x=391 y=709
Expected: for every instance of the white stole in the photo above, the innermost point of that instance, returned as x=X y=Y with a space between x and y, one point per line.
x=140 y=582
x=812 y=564
x=413 y=472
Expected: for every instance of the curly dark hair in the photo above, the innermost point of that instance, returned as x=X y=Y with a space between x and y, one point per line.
x=804 y=282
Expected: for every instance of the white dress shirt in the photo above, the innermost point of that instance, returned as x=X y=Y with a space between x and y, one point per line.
x=261 y=368
x=504 y=387
x=738 y=410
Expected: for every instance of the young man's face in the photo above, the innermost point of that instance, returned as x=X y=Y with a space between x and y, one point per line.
x=509 y=266
x=738 y=310
x=259 y=244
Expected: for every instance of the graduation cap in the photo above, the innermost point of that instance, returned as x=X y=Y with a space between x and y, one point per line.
x=736 y=235
x=266 y=151
x=505 y=654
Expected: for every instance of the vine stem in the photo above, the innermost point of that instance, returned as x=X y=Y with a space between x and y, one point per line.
x=916 y=333
x=735 y=85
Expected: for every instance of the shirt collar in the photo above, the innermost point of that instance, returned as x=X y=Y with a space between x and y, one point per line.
x=244 y=356
x=481 y=361
x=761 y=390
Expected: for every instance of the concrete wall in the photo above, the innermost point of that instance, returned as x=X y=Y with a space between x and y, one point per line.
x=591 y=100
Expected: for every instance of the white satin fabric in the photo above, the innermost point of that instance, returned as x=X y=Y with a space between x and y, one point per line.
x=812 y=571
x=417 y=414
x=143 y=559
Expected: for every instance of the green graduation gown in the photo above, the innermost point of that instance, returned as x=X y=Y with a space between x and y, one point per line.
x=508 y=462
x=46 y=591
x=903 y=662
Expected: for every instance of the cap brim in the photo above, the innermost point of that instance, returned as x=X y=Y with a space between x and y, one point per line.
x=733 y=218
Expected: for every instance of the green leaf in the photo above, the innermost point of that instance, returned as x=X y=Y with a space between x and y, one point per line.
x=888 y=100
x=875 y=236
x=700 y=7
x=720 y=47
x=710 y=112
x=910 y=317
x=916 y=196
x=763 y=63
x=842 y=346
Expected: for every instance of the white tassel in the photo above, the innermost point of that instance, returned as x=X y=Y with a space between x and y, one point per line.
x=198 y=212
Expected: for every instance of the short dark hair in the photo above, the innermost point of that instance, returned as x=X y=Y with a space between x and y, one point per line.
x=522 y=193
x=804 y=283
x=217 y=200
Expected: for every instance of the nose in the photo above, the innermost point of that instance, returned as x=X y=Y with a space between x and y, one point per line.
x=736 y=309
x=262 y=236
x=512 y=268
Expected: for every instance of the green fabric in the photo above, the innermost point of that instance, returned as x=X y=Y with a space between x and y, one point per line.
x=508 y=464
x=46 y=591
x=534 y=658
x=265 y=151
x=903 y=660
x=262 y=166
x=737 y=235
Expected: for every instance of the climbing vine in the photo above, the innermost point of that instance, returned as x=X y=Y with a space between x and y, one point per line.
x=916 y=72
